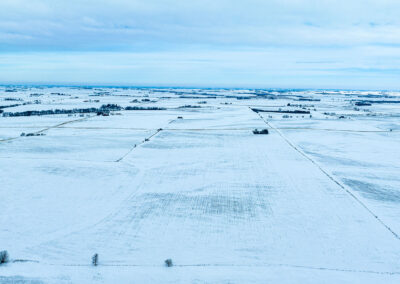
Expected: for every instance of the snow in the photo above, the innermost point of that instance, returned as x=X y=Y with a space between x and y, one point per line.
x=315 y=201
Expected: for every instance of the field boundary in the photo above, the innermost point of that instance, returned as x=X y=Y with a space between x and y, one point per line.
x=330 y=176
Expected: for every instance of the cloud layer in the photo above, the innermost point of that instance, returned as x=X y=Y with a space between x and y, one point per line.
x=263 y=43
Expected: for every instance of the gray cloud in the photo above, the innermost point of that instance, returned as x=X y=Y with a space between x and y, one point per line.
x=275 y=42
x=134 y=25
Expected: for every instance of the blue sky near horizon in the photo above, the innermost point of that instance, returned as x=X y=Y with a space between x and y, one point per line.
x=252 y=43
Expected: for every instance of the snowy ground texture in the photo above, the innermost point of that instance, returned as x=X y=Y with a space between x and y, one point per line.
x=315 y=201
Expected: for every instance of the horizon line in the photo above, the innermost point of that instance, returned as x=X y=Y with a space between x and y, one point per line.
x=177 y=86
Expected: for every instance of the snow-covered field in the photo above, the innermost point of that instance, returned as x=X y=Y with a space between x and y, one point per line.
x=315 y=201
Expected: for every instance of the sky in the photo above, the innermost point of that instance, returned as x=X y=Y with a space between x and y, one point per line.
x=352 y=44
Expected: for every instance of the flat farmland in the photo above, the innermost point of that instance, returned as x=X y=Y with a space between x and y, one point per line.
x=317 y=199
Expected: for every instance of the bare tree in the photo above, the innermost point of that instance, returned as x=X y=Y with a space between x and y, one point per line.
x=168 y=262
x=4 y=258
x=95 y=259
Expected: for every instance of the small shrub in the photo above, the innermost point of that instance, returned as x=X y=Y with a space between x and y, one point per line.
x=263 y=131
x=4 y=258
x=168 y=262
x=95 y=259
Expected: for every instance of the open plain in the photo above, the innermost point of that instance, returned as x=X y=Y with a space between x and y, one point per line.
x=141 y=175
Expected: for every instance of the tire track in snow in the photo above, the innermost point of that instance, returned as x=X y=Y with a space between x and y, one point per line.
x=306 y=267
x=110 y=215
x=55 y=159
x=330 y=176
x=211 y=129
x=123 y=205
